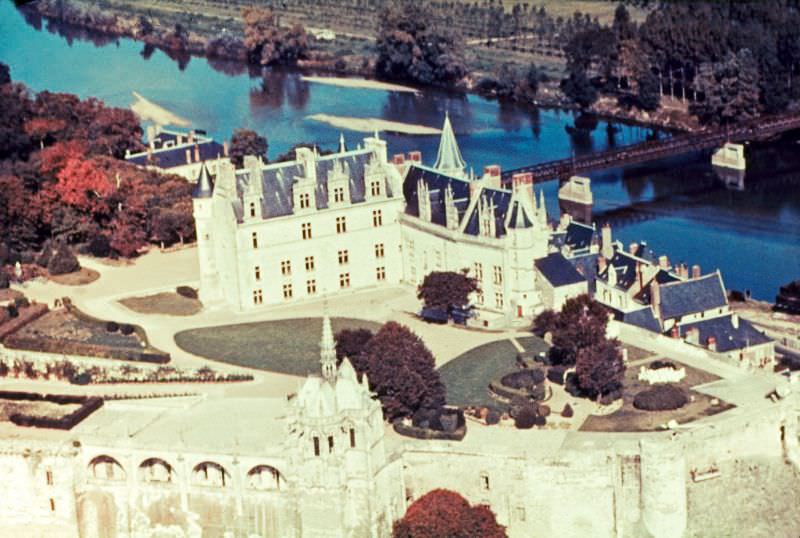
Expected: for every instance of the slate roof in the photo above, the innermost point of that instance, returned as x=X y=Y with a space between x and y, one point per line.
x=558 y=271
x=500 y=199
x=728 y=337
x=643 y=318
x=579 y=236
x=204 y=188
x=176 y=156
x=625 y=266
x=277 y=181
x=691 y=296
x=586 y=265
x=662 y=277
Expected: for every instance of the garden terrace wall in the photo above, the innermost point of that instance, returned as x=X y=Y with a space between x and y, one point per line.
x=51 y=345
x=88 y=405
x=428 y=434
x=26 y=315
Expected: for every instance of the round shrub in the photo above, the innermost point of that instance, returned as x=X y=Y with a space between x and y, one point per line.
x=538 y=392
x=661 y=398
x=525 y=418
x=659 y=364
x=126 y=329
x=555 y=374
x=539 y=421
x=544 y=411
x=63 y=261
x=112 y=326
x=44 y=257
x=492 y=417
x=21 y=302
x=571 y=385
x=12 y=311
x=186 y=291
x=567 y=412
x=99 y=246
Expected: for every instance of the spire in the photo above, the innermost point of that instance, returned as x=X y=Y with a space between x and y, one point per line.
x=204 y=187
x=449 y=160
x=327 y=349
x=342 y=147
x=542 y=208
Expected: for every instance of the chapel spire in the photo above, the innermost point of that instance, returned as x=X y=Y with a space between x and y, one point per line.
x=327 y=349
x=449 y=160
x=342 y=147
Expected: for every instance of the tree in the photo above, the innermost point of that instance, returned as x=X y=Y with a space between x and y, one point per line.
x=350 y=343
x=246 y=142
x=267 y=43
x=14 y=111
x=402 y=371
x=83 y=185
x=545 y=322
x=62 y=261
x=446 y=514
x=581 y=324
x=411 y=47
x=579 y=88
x=5 y=74
x=446 y=289
x=647 y=92
x=730 y=88
x=600 y=368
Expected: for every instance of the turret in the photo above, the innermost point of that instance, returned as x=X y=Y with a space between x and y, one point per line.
x=254 y=192
x=450 y=209
x=423 y=201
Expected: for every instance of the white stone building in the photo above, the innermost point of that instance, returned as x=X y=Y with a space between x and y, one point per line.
x=183 y=153
x=283 y=232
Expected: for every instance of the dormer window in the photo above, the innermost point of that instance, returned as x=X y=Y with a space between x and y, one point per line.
x=338 y=194
x=375 y=188
x=305 y=200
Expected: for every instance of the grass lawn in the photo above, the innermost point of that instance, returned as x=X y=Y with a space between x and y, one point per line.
x=81 y=277
x=169 y=303
x=467 y=376
x=287 y=346
x=630 y=419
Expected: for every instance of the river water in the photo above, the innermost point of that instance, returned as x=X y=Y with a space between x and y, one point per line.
x=678 y=205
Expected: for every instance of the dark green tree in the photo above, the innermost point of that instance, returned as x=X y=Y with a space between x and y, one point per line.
x=600 y=369
x=581 y=324
x=446 y=289
x=730 y=88
x=246 y=142
x=648 y=96
x=579 y=88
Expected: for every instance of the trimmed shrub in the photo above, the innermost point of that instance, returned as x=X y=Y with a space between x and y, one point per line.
x=63 y=261
x=571 y=385
x=83 y=378
x=661 y=398
x=127 y=329
x=543 y=411
x=525 y=418
x=567 y=412
x=492 y=417
x=659 y=364
x=112 y=326
x=99 y=246
x=44 y=257
x=12 y=311
x=555 y=374
x=186 y=291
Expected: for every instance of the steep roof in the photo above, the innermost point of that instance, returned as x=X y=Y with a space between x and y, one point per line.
x=662 y=277
x=558 y=271
x=577 y=236
x=625 y=266
x=728 y=337
x=176 y=156
x=437 y=186
x=643 y=318
x=691 y=296
x=448 y=159
x=204 y=188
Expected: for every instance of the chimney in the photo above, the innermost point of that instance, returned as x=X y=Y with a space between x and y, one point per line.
x=655 y=298
x=398 y=158
x=519 y=180
x=415 y=156
x=474 y=189
x=196 y=153
x=633 y=248
x=191 y=137
x=675 y=332
x=566 y=218
x=127 y=153
x=188 y=156
x=695 y=271
x=151 y=136
x=180 y=140
x=605 y=241
x=225 y=148
x=601 y=263
x=712 y=343
x=663 y=262
x=735 y=321
x=639 y=278
x=693 y=336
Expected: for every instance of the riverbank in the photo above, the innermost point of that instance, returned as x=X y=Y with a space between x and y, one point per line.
x=371 y=125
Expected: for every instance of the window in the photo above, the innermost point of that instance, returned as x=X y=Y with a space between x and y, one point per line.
x=498 y=299
x=338 y=194
x=344 y=280
x=309 y=263
x=479 y=297
x=52 y=505
x=485 y=482
x=520 y=513
x=254 y=236
x=479 y=271
x=379 y=250
x=330 y=443
x=438 y=254
x=306 y=230
x=258 y=297
x=305 y=201
x=257 y=271
x=352 y=438
x=498 y=275
x=286 y=267
x=287 y=291
x=341 y=225
x=311 y=287
x=380 y=273
x=375 y=188
x=344 y=257
x=316 y=446
x=49 y=477
x=377 y=218
x=252 y=209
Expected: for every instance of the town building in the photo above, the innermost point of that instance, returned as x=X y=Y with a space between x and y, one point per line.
x=182 y=153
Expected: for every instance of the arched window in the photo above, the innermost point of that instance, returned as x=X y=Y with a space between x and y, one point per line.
x=156 y=470
x=211 y=474
x=264 y=478
x=106 y=468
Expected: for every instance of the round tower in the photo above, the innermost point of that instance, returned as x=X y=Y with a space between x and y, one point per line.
x=663 y=476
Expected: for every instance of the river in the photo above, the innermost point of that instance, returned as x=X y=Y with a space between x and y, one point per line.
x=677 y=205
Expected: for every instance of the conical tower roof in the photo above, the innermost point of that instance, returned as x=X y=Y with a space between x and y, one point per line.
x=449 y=160
x=204 y=187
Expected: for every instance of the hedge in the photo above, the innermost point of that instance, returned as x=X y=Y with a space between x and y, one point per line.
x=661 y=398
x=26 y=315
x=186 y=291
x=409 y=430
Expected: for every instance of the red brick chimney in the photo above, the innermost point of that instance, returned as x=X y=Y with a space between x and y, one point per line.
x=695 y=271
x=675 y=332
x=493 y=170
x=712 y=343
x=415 y=156
x=398 y=158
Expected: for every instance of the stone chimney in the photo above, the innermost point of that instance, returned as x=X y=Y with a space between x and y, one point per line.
x=179 y=141
x=607 y=248
x=188 y=156
x=712 y=343
x=735 y=321
x=663 y=262
x=655 y=298
x=695 y=271
x=493 y=170
x=398 y=158
x=151 y=136
x=191 y=137
x=693 y=336
x=225 y=148
x=415 y=156
x=633 y=248
x=601 y=263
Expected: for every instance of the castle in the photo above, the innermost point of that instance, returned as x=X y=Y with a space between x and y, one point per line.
x=269 y=234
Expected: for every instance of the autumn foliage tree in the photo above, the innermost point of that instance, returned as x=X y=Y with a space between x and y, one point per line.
x=267 y=43
x=402 y=371
x=446 y=289
x=446 y=514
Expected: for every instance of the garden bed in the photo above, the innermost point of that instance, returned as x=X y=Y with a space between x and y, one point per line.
x=58 y=411
x=287 y=346
x=166 y=303
x=81 y=277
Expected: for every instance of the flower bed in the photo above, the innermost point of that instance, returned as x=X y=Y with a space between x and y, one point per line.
x=25 y=315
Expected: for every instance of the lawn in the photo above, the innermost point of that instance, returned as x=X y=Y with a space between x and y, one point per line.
x=81 y=277
x=169 y=303
x=630 y=419
x=467 y=376
x=287 y=346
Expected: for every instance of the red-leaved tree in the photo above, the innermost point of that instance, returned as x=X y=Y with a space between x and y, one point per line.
x=600 y=369
x=83 y=185
x=446 y=514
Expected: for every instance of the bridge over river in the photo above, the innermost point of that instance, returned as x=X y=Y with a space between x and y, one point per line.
x=764 y=127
